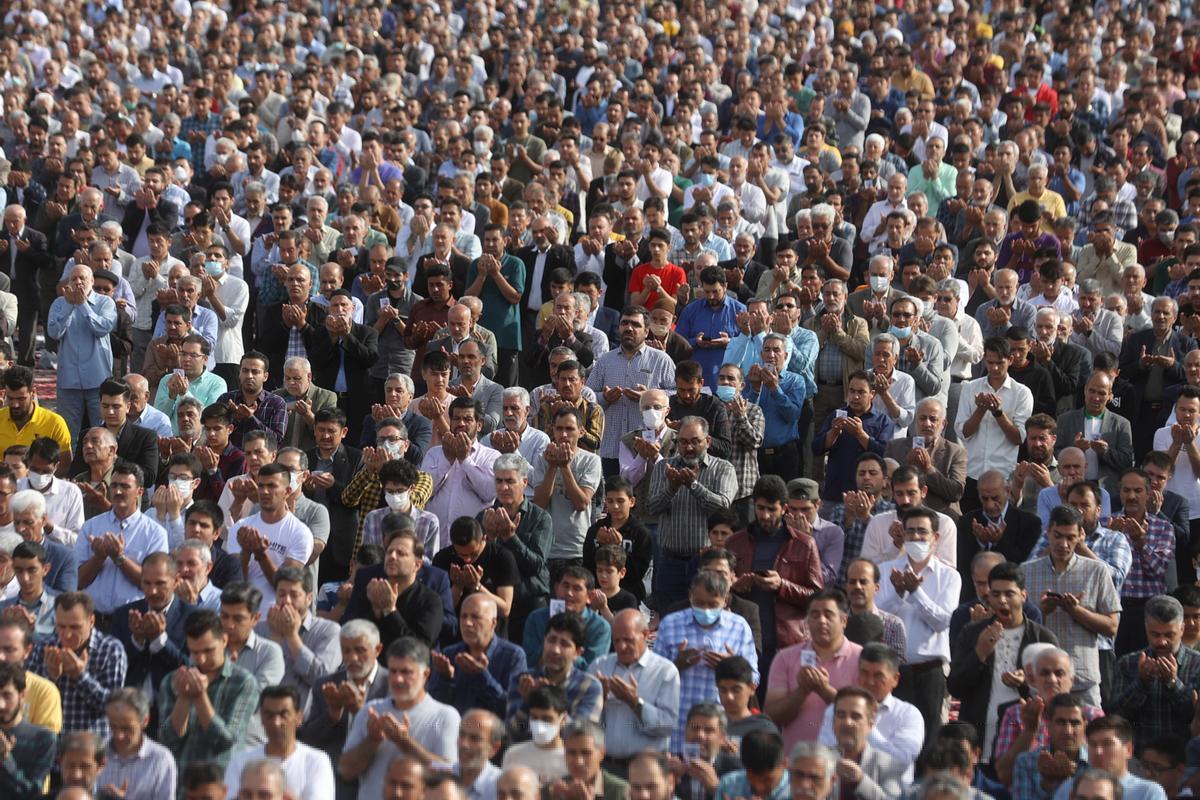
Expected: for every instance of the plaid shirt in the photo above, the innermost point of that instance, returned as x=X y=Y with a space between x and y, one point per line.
x=747 y=436
x=1159 y=709
x=894 y=635
x=855 y=532
x=364 y=494
x=270 y=414
x=1011 y=727
x=1027 y=780
x=585 y=700
x=83 y=698
x=593 y=423
x=1114 y=550
x=1147 y=576
x=697 y=684
x=210 y=124
x=234 y=698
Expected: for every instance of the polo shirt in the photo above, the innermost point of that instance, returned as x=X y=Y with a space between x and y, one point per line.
x=785 y=672
x=44 y=422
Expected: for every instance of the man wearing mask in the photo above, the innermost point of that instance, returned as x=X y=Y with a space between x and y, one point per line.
x=934 y=587
x=388 y=312
x=872 y=302
x=884 y=536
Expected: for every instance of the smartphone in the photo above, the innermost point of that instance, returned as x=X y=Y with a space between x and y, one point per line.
x=808 y=658
x=557 y=607
x=691 y=751
x=1054 y=595
x=384 y=302
x=178 y=372
x=762 y=573
x=649 y=435
x=918 y=441
x=840 y=413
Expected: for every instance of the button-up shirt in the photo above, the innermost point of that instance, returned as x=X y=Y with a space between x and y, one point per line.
x=233 y=693
x=1027 y=780
x=649 y=725
x=649 y=367
x=1161 y=709
x=697 y=683
x=855 y=532
x=143 y=536
x=207 y=388
x=205 y=323
x=83 y=698
x=460 y=488
x=1090 y=581
x=899 y=731
x=270 y=414
x=878 y=546
x=989 y=448
x=320 y=654
x=781 y=407
x=683 y=511
x=42 y=610
x=84 y=352
x=926 y=611
x=842 y=455
x=1147 y=575
x=700 y=318
x=150 y=772
x=585 y=700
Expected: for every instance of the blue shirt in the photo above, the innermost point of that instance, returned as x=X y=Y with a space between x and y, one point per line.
x=793 y=126
x=1135 y=788
x=84 y=354
x=781 y=407
x=701 y=318
x=803 y=358
x=1027 y=781
x=143 y=536
x=842 y=457
x=488 y=689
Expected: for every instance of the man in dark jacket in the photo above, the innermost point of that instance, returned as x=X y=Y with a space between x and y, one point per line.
x=332 y=464
x=342 y=355
x=988 y=643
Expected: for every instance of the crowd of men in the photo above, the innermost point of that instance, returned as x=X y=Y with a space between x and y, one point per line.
x=512 y=400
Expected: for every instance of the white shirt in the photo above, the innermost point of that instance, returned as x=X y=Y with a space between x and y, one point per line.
x=925 y=612
x=970 y=347
x=1007 y=659
x=904 y=392
x=289 y=539
x=1184 y=481
x=878 y=547
x=660 y=177
x=234 y=294
x=989 y=448
x=1064 y=302
x=307 y=772
x=876 y=214
x=64 y=503
x=531 y=446
x=535 y=280
x=899 y=731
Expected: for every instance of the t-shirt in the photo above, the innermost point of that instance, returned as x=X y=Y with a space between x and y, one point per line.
x=308 y=772
x=747 y=725
x=1007 y=657
x=670 y=276
x=570 y=525
x=549 y=764
x=621 y=601
x=433 y=725
x=289 y=539
x=499 y=570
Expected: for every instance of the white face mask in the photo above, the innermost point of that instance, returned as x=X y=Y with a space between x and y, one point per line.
x=543 y=733
x=398 y=501
x=39 y=481
x=879 y=283
x=294 y=482
x=184 y=486
x=393 y=449
x=652 y=418
x=918 y=551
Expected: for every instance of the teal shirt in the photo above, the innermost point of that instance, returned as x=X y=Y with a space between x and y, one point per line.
x=735 y=785
x=208 y=388
x=598 y=636
x=935 y=191
x=500 y=316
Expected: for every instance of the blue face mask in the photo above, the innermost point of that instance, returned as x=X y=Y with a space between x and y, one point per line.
x=706 y=179
x=726 y=393
x=900 y=333
x=706 y=616
x=213 y=268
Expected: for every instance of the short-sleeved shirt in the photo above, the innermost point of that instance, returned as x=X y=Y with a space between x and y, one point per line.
x=670 y=276
x=44 y=422
x=570 y=525
x=785 y=671
x=499 y=570
x=1090 y=581
x=431 y=724
x=289 y=539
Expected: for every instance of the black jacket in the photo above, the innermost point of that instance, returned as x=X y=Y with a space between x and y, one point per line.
x=343 y=520
x=136 y=445
x=24 y=270
x=143 y=662
x=713 y=410
x=557 y=256
x=164 y=213
x=971 y=679
x=272 y=339
x=418 y=611
x=1021 y=532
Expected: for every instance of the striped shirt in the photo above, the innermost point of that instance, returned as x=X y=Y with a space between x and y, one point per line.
x=629 y=731
x=648 y=367
x=150 y=772
x=683 y=511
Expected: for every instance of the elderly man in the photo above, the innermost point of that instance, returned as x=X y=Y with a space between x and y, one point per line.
x=1153 y=359
x=81 y=320
x=872 y=302
x=515 y=434
x=1105 y=258
x=943 y=462
x=460 y=328
x=1067 y=362
x=642 y=688
x=304 y=400
x=997 y=315
x=28 y=254
x=895 y=391
x=477 y=671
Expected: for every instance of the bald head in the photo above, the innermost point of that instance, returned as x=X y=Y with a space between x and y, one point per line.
x=518 y=783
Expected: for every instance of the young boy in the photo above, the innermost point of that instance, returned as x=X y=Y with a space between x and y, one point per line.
x=547 y=706
x=1189 y=596
x=334 y=596
x=736 y=688
x=610 y=599
x=764 y=775
x=31 y=565
x=14 y=456
x=618 y=528
x=721 y=525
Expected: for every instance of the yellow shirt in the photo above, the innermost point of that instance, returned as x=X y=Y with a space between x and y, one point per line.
x=43 y=703
x=1049 y=201
x=44 y=422
x=918 y=81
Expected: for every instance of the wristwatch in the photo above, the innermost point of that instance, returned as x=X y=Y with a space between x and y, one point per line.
x=997 y=413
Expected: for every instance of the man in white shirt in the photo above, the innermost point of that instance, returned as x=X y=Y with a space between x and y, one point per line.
x=273 y=537
x=515 y=433
x=308 y=771
x=923 y=592
x=874 y=227
x=654 y=181
x=899 y=729
x=461 y=467
x=1181 y=442
x=480 y=735
x=883 y=539
x=991 y=416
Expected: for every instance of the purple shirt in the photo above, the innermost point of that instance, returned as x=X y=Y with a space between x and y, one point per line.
x=1023 y=263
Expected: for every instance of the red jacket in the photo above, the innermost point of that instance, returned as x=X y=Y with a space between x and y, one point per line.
x=799 y=566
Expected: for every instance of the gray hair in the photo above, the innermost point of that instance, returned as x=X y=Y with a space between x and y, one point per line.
x=131 y=696
x=360 y=629
x=108 y=436
x=709 y=711
x=1056 y=652
x=188 y=400
x=405 y=381
x=887 y=338
x=202 y=551
x=519 y=392
x=318 y=199
x=712 y=582
x=190 y=280
x=583 y=300
x=28 y=500
x=777 y=337
x=948 y=285
x=254 y=187
x=300 y=453
x=1090 y=287
x=472 y=303
x=584 y=727
x=943 y=786
x=113 y=226
x=1033 y=653
x=9 y=542
x=823 y=211
x=298 y=362
x=813 y=749
x=265 y=765
x=694 y=420
x=1169 y=300
x=882 y=258
x=511 y=462
x=1039 y=168
x=931 y=400
x=1164 y=609
x=1047 y=311
x=1097 y=776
